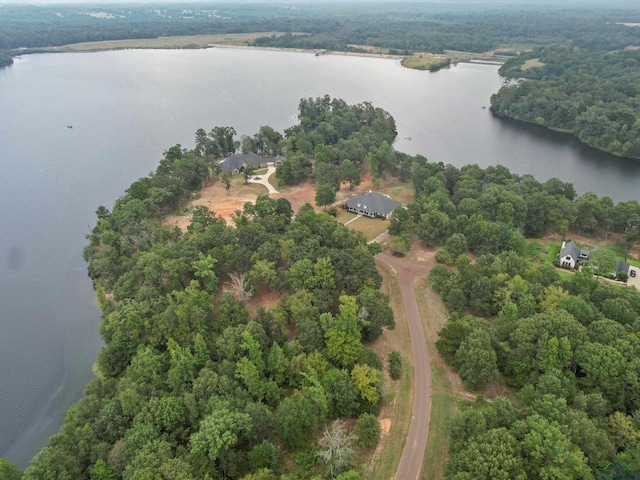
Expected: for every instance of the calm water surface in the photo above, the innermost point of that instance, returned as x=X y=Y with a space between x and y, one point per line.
x=126 y=108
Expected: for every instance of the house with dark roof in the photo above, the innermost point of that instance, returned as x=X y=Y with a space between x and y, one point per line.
x=237 y=162
x=571 y=254
x=372 y=204
x=622 y=267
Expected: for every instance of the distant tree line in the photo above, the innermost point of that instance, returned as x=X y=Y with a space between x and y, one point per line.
x=591 y=94
x=5 y=59
x=404 y=28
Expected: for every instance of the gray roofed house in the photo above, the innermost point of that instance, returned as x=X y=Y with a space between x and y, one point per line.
x=622 y=267
x=372 y=204
x=238 y=161
x=571 y=254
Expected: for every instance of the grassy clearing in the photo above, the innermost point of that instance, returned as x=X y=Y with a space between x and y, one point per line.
x=535 y=251
x=185 y=41
x=444 y=406
x=426 y=61
x=444 y=401
x=384 y=461
x=371 y=227
x=532 y=63
x=344 y=215
x=553 y=251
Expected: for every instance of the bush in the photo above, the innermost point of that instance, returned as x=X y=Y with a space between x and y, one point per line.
x=369 y=357
x=395 y=365
x=367 y=430
x=333 y=211
x=443 y=256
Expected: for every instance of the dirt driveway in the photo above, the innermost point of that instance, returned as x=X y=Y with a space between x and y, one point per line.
x=413 y=454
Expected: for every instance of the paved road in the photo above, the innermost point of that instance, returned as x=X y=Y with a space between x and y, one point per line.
x=413 y=454
x=264 y=179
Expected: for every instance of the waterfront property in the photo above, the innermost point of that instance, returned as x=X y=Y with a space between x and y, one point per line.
x=372 y=204
x=236 y=163
x=571 y=254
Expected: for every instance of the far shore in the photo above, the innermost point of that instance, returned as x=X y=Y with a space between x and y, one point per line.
x=239 y=41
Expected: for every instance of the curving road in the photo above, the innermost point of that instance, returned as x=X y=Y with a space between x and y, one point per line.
x=413 y=454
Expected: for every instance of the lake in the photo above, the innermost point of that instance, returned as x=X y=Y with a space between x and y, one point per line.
x=125 y=108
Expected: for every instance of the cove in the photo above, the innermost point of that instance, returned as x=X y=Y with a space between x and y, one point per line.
x=126 y=107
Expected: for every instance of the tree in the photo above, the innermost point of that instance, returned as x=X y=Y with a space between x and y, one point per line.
x=296 y=421
x=9 y=471
x=325 y=173
x=226 y=180
x=476 y=360
x=325 y=195
x=335 y=448
x=219 y=431
x=248 y=171
x=367 y=430
x=349 y=172
x=100 y=471
x=342 y=397
x=368 y=381
x=239 y=286
x=399 y=244
x=602 y=262
x=492 y=455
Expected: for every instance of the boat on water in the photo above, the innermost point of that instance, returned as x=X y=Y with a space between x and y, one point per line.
x=69 y=126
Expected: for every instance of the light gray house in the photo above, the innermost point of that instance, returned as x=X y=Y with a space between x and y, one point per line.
x=571 y=254
x=372 y=205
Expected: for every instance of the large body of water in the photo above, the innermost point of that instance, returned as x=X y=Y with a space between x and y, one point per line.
x=126 y=108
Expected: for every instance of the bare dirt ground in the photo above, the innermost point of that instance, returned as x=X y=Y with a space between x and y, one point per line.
x=225 y=204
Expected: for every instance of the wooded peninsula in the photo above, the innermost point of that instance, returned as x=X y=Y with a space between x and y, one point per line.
x=199 y=379
x=245 y=348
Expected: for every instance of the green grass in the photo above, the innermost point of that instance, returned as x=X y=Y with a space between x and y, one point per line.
x=262 y=171
x=535 y=251
x=444 y=406
x=553 y=251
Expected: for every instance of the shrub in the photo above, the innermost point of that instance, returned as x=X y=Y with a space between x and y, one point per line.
x=395 y=365
x=367 y=430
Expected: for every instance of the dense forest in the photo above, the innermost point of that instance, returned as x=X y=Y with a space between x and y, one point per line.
x=402 y=27
x=196 y=379
x=5 y=59
x=565 y=347
x=592 y=94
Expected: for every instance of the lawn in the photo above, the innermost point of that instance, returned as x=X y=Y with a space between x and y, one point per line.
x=444 y=400
x=371 y=227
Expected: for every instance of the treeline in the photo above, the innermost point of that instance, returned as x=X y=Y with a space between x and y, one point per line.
x=591 y=94
x=5 y=59
x=404 y=28
x=568 y=348
x=492 y=210
x=196 y=380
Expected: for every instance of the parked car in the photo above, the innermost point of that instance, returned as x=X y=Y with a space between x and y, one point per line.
x=632 y=273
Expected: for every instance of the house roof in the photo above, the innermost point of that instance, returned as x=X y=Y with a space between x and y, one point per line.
x=372 y=202
x=239 y=160
x=577 y=253
x=622 y=266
